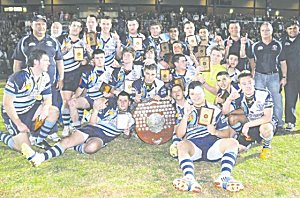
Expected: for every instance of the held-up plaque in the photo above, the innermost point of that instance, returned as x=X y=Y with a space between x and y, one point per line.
x=179 y=81
x=78 y=53
x=201 y=51
x=128 y=86
x=105 y=88
x=192 y=40
x=137 y=42
x=38 y=123
x=165 y=75
x=205 y=63
x=91 y=38
x=164 y=47
x=225 y=95
x=205 y=116
x=122 y=121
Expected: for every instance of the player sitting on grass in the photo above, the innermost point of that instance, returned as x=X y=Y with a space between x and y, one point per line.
x=203 y=142
x=89 y=139
x=251 y=114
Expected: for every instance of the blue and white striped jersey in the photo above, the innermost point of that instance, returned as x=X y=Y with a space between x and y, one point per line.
x=108 y=121
x=69 y=63
x=119 y=76
x=157 y=88
x=150 y=41
x=187 y=76
x=195 y=130
x=127 y=41
x=109 y=47
x=92 y=81
x=262 y=99
x=27 y=89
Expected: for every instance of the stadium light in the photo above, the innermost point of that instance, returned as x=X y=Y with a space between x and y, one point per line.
x=230 y=11
x=181 y=9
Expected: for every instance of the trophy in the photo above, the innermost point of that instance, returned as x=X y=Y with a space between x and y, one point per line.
x=205 y=63
x=205 y=116
x=78 y=53
x=165 y=75
x=105 y=88
x=122 y=121
x=128 y=86
x=192 y=40
x=201 y=51
x=91 y=38
x=164 y=47
x=137 y=42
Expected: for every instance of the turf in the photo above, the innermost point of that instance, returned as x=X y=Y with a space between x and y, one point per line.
x=131 y=168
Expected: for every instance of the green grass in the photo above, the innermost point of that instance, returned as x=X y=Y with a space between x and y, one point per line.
x=131 y=168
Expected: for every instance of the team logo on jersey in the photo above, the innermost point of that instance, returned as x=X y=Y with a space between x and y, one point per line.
x=49 y=43
x=274 y=47
x=260 y=48
x=28 y=86
x=287 y=43
x=259 y=105
x=31 y=44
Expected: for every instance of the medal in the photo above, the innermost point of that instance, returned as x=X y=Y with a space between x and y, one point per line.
x=39 y=97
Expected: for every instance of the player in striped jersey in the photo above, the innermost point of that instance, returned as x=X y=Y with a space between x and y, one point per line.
x=251 y=111
x=109 y=42
x=202 y=142
x=89 y=139
x=73 y=49
x=91 y=82
x=27 y=97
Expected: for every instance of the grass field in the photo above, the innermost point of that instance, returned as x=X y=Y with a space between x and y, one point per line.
x=131 y=168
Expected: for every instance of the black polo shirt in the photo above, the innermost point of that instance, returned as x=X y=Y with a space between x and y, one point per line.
x=292 y=53
x=49 y=44
x=235 y=49
x=267 y=57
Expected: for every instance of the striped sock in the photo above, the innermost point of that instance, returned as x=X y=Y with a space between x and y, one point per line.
x=54 y=151
x=175 y=139
x=7 y=139
x=66 y=117
x=80 y=114
x=267 y=141
x=79 y=148
x=237 y=127
x=45 y=130
x=187 y=167
x=227 y=162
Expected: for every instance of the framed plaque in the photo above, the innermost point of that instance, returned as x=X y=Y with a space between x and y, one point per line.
x=91 y=38
x=179 y=81
x=78 y=53
x=137 y=42
x=128 y=86
x=164 y=47
x=205 y=116
x=38 y=124
x=165 y=75
x=205 y=63
x=105 y=88
x=192 y=40
x=201 y=51
x=122 y=121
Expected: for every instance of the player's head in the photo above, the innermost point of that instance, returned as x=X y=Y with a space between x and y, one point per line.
x=39 y=59
x=150 y=53
x=174 y=32
x=91 y=23
x=123 y=101
x=266 y=30
x=246 y=83
x=196 y=93
x=179 y=60
x=233 y=60
x=177 y=92
x=223 y=80
x=105 y=24
x=155 y=28
x=39 y=25
x=150 y=72
x=132 y=25
x=234 y=29
x=216 y=55
x=177 y=47
x=75 y=27
x=128 y=55
x=56 y=29
x=189 y=28
x=203 y=33
x=99 y=57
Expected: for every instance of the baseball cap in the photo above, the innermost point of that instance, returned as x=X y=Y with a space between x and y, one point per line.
x=39 y=17
x=291 y=22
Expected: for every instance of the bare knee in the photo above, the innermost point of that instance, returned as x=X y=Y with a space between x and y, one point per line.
x=266 y=130
x=229 y=143
x=93 y=146
x=53 y=113
x=185 y=147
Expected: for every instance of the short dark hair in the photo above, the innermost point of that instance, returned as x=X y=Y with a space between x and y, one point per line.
x=176 y=85
x=98 y=51
x=92 y=16
x=173 y=27
x=123 y=93
x=222 y=73
x=176 y=58
x=150 y=67
x=35 y=55
x=129 y=50
x=244 y=73
x=106 y=17
x=193 y=85
x=75 y=20
x=153 y=23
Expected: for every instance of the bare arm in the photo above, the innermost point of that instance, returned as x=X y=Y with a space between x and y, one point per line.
x=266 y=118
x=60 y=68
x=17 y=65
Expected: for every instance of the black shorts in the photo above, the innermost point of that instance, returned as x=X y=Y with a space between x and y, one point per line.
x=26 y=118
x=254 y=134
x=72 y=80
x=94 y=131
x=204 y=144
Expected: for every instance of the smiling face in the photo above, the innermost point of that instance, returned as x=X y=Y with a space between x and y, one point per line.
x=43 y=63
x=99 y=60
x=123 y=103
x=292 y=31
x=177 y=93
x=150 y=75
x=132 y=27
x=174 y=34
x=105 y=25
x=75 y=28
x=247 y=85
x=223 y=81
x=216 y=57
x=189 y=29
x=234 y=29
x=155 y=30
x=233 y=60
x=197 y=96
x=181 y=64
x=91 y=23
x=266 y=31
x=39 y=28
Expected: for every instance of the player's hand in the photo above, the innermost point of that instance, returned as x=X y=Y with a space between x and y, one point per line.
x=60 y=84
x=157 y=97
x=244 y=39
x=149 y=61
x=229 y=42
x=22 y=127
x=283 y=82
x=245 y=130
x=100 y=103
x=138 y=98
x=233 y=96
x=187 y=109
x=219 y=99
x=44 y=113
x=211 y=129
